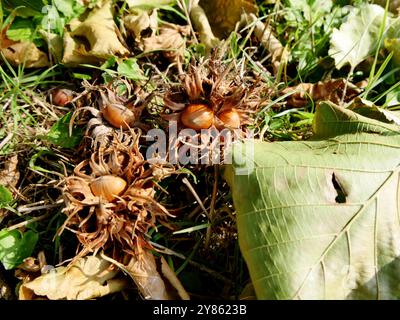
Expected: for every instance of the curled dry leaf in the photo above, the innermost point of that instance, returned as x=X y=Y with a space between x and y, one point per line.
x=25 y=52
x=170 y=39
x=331 y=90
x=155 y=283
x=87 y=278
x=141 y=20
x=224 y=14
x=94 y=39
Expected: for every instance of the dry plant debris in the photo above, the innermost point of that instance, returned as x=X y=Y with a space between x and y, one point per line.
x=87 y=278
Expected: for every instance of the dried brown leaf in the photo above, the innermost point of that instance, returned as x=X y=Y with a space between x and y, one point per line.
x=224 y=14
x=153 y=285
x=87 y=278
x=9 y=176
x=141 y=20
x=100 y=34
x=170 y=39
x=331 y=90
x=25 y=52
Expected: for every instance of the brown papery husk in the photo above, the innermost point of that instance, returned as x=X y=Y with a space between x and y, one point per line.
x=118 y=225
x=219 y=85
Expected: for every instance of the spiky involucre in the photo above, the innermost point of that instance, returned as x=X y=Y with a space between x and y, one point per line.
x=122 y=222
x=222 y=86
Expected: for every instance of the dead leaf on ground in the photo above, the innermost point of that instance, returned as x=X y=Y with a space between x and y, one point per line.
x=88 y=278
x=25 y=52
x=224 y=14
x=9 y=175
x=152 y=284
x=331 y=90
x=96 y=38
x=171 y=40
x=141 y=20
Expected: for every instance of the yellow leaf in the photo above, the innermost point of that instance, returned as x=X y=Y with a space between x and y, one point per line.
x=25 y=52
x=140 y=21
x=94 y=39
x=152 y=284
x=88 y=278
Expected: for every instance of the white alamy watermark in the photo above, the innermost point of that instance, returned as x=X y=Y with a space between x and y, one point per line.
x=207 y=147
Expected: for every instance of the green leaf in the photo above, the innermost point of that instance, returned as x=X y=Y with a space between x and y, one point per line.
x=26 y=8
x=320 y=219
x=6 y=197
x=15 y=246
x=20 y=30
x=149 y=3
x=81 y=76
x=311 y=8
x=130 y=69
x=59 y=133
x=69 y=8
x=357 y=38
x=394 y=46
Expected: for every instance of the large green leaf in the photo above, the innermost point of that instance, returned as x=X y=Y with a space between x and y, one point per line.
x=320 y=219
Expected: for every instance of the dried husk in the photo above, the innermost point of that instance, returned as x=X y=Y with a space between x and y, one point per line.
x=220 y=87
x=119 y=223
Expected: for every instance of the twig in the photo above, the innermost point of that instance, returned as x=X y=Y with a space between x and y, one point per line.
x=25 y=223
x=182 y=5
x=197 y=265
x=263 y=32
x=23 y=209
x=212 y=206
x=187 y=183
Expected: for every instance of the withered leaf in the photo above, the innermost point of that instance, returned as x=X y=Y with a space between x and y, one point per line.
x=25 y=52
x=224 y=14
x=87 y=278
x=170 y=39
x=152 y=284
x=141 y=20
x=331 y=90
x=94 y=39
